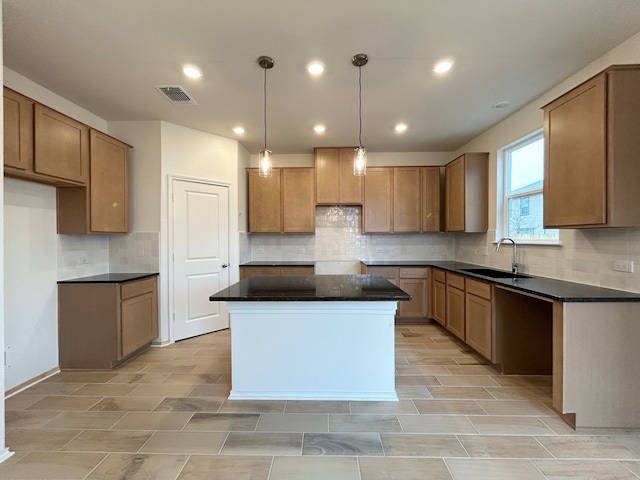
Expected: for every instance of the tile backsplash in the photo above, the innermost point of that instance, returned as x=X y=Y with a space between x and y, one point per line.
x=82 y=255
x=135 y=252
x=338 y=238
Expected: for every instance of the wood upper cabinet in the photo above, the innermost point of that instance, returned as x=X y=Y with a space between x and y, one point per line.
x=592 y=149
x=335 y=182
x=298 y=200
x=406 y=199
x=18 y=131
x=102 y=206
x=378 y=200
x=402 y=199
x=282 y=203
x=61 y=145
x=431 y=200
x=467 y=193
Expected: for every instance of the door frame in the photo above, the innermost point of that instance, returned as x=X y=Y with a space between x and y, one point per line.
x=170 y=241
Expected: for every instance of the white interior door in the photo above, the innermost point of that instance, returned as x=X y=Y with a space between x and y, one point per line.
x=200 y=256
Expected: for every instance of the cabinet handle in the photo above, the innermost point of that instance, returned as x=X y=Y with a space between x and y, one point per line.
x=225 y=265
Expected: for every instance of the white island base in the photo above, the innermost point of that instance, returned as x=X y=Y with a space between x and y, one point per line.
x=312 y=350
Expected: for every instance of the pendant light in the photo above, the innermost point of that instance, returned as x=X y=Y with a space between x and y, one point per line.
x=360 y=154
x=265 y=165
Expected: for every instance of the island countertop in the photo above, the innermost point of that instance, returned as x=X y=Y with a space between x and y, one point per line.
x=287 y=288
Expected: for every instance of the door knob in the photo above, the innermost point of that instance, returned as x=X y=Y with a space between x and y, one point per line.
x=225 y=265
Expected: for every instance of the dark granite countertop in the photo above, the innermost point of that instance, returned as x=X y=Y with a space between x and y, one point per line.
x=312 y=288
x=279 y=264
x=545 y=287
x=109 y=278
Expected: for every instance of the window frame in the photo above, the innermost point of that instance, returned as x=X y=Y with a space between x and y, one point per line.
x=504 y=197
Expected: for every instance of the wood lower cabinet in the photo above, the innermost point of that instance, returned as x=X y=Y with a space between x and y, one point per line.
x=414 y=281
x=246 y=271
x=479 y=324
x=101 y=324
x=592 y=147
x=102 y=206
x=439 y=296
x=467 y=193
x=335 y=182
x=282 y=203
x=455 y=318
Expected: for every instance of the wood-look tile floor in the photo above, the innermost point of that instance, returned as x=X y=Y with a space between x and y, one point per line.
x=164 y=415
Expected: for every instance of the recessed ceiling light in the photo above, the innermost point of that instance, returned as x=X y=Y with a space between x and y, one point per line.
x=315 y=68
x=401 y=127
x=192 y=72
x=502 y=104
x=443 y=66
x=319 y=128
x=238 y=130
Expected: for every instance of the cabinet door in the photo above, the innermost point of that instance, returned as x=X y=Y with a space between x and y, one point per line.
x=455 y=312
x=430 y=211
x=575 y=157
x=108 y=186
x=137 y=323
x=417 y=306
x=298 y=200
x=61 y=145
x=18 y=131
x=351 y=186
x=406 y=199
x=479 y=324
x=390 y=273
x=455 y=196
x=378 y=208
x=439 y=299
x=327 y=161
x=265 y=202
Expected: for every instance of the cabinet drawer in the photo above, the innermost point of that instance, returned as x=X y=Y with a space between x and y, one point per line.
x=296 y=271
x=133 y=289
x=439 y=275
x=479 y=288
x=456 y=281
x=387 y=272
x=414 y=272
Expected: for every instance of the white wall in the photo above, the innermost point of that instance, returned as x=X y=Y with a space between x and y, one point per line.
x=189 y=153
x=30 y=272
x=586 y=255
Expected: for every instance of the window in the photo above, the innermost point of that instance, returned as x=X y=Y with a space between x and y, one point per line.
x=522 y=200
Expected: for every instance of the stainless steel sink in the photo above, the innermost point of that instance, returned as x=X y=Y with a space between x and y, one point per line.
x=490 y=272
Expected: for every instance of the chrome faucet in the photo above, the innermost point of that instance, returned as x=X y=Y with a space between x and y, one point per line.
x=514 y=262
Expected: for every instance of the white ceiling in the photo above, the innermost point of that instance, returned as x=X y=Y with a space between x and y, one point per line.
x=107 y=56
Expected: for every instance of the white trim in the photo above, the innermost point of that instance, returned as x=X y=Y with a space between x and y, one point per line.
x=5 y=454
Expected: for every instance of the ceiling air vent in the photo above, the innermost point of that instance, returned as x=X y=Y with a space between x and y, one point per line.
x=176 y=94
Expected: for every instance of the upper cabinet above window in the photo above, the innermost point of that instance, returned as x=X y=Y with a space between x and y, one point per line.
x=592 y=152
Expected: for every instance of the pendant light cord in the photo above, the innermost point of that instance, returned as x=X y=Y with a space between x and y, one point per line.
x=265 y=108
x=360 y=104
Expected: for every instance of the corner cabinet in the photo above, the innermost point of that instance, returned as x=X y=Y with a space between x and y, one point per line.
x=335 y=182
x=102 y=206
x=592 y=150
x=282 y=203
x=402 y=200
x=467 y=193
x=102 y=322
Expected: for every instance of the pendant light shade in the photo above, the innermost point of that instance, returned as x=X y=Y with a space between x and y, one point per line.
x=264 y=157
x=360 y=153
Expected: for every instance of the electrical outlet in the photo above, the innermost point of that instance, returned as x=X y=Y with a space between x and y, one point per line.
x=260 y=250
x=82 y=261
x=435 y=249
x=379 y=250
x=300 y=249
x=623 y=266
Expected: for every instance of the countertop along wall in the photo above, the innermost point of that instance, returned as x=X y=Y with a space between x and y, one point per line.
x=586 y=255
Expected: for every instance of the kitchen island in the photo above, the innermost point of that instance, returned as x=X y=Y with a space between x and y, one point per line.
x=312 y=337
